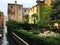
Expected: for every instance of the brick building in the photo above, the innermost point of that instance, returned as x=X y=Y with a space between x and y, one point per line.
x=16 y=12
x=25 y=13
x=1 y=21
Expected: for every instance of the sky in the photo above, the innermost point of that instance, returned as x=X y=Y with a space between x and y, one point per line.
x=25 y=3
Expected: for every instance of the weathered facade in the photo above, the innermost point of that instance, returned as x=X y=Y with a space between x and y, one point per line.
x=37 y=9
x=2 y=21
x=25 y=13
x=16 y=12
x=33 y=10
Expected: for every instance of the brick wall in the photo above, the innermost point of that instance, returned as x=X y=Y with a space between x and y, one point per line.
x=2 y=22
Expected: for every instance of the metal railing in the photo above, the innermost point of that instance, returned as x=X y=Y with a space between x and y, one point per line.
x=22 y=41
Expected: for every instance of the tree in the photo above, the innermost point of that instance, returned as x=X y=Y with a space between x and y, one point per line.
x=35 y=17
x=1 y=13
x=27 y=18
x=45 y=19
x=56 y=11
x=12 y=25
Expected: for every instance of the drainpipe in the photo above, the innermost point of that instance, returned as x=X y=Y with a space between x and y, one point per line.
x=15 y=10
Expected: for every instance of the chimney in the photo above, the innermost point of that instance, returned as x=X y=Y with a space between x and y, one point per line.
x=15 y=2
x=39 y=1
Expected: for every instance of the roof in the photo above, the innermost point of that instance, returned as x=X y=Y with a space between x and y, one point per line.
x=25 y=8
x=14 y=4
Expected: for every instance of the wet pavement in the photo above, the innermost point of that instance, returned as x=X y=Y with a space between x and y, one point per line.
x=0 y=41
x=6 y=39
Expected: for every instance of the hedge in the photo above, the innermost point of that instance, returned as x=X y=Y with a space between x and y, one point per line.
x=33 y=39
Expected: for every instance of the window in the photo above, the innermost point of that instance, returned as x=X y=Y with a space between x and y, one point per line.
x=24 y=10
x=11 y=6
x=33 y=9
x=37 y=10
x=19 y=7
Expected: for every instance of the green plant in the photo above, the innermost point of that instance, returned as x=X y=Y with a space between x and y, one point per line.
x=1 y=13
x=12 y=25
x=35 y=17
x=45 y=20
x=27 y=18
x=55 y=10
x=33 y=39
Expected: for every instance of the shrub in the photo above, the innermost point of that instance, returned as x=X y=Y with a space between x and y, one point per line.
x=12 y=25
x=33 y=39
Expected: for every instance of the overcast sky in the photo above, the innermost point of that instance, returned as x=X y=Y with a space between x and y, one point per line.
x=25 y=3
